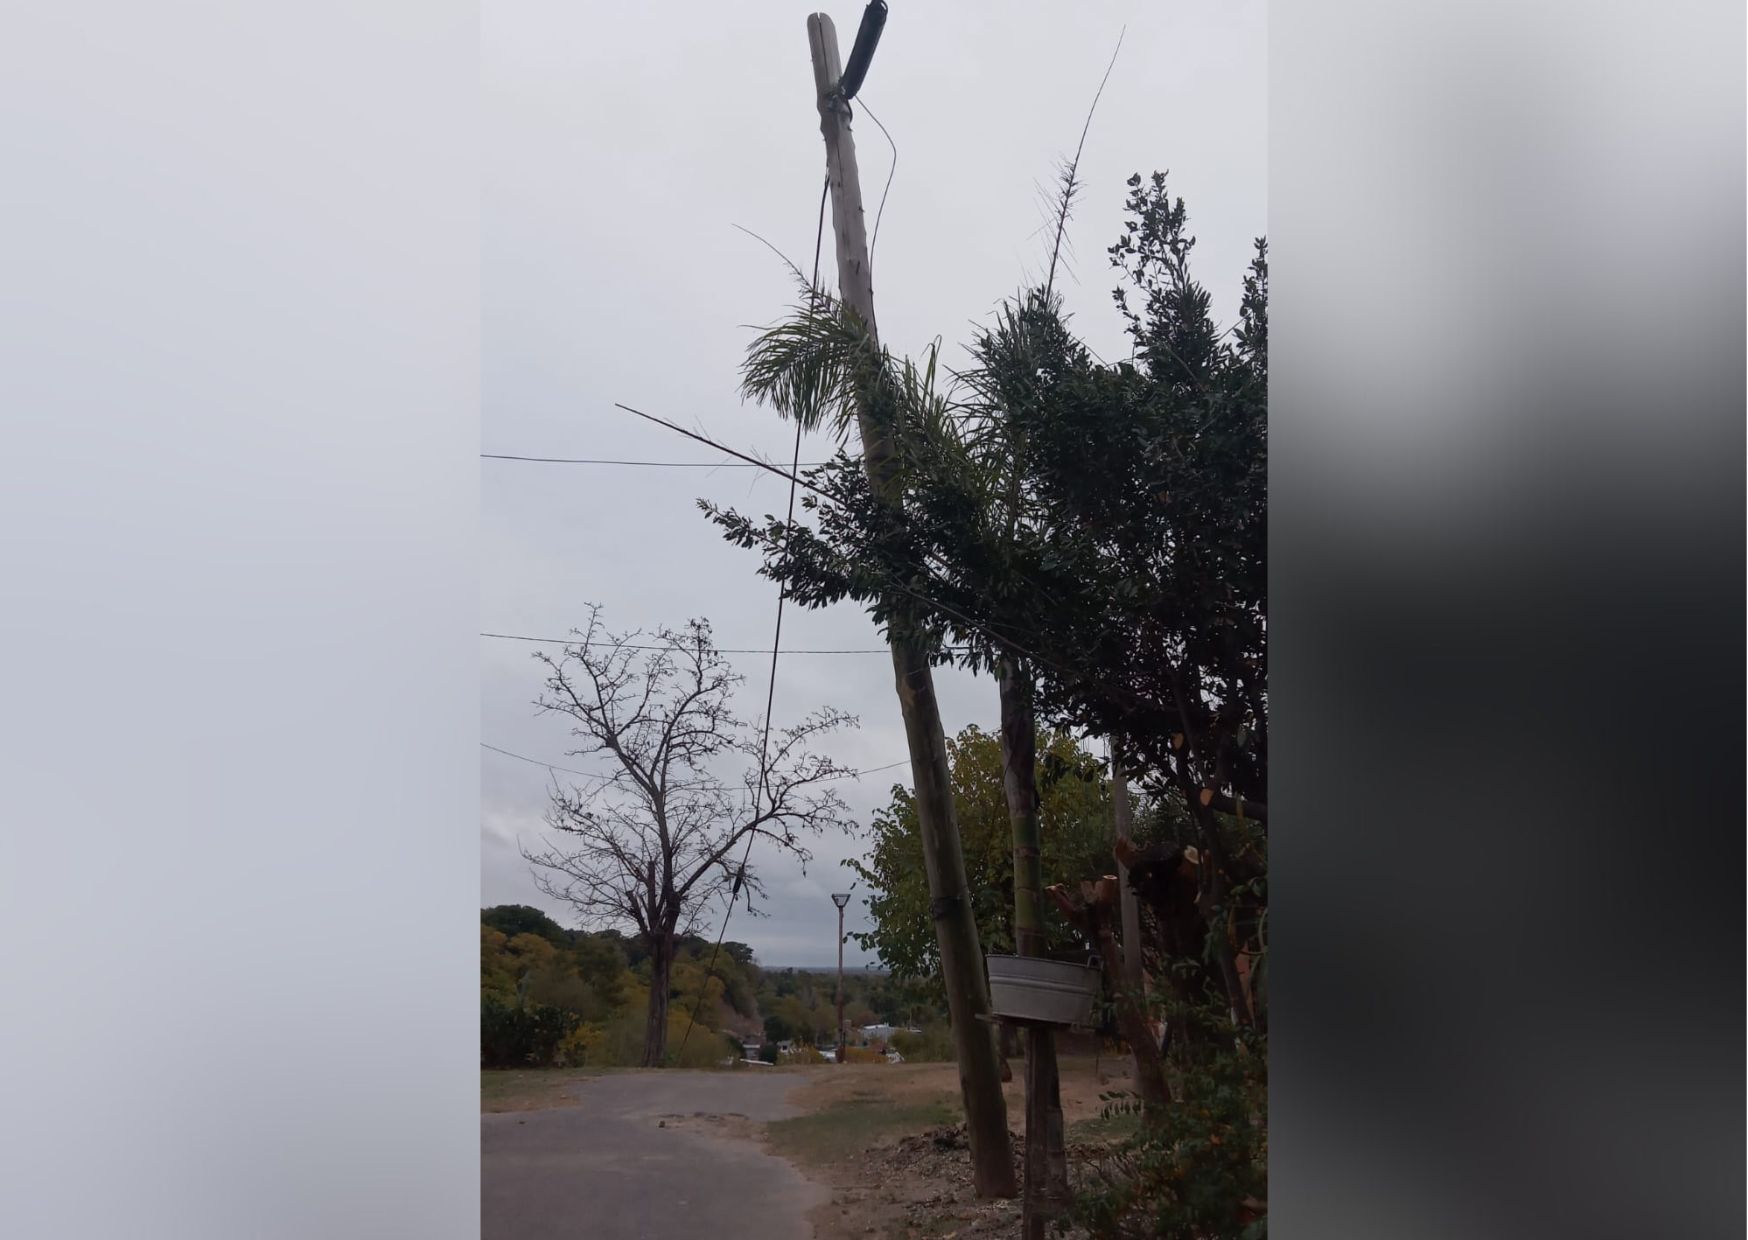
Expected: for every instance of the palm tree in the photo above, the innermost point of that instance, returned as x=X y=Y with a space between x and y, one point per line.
x=824 y=367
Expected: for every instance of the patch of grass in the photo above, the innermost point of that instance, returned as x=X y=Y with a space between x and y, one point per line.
x=528 y=1089
x=843 y=1129
x=1105 y=1129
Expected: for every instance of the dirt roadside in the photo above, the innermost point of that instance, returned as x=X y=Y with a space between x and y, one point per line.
x=888 y=1142
x=884 y=1142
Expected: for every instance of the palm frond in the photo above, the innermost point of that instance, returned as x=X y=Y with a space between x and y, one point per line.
x=812 y=366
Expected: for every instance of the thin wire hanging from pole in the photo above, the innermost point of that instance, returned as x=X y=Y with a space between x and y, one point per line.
x=891 y=171
x=771 y=687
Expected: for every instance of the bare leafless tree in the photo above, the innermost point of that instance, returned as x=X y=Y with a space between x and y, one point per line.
x=659 y=838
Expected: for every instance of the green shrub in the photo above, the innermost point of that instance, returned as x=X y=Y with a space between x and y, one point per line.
x=703 y=1049
x=933 y=1045
x=522 y=1037
x=582 y=1047
x=623 y=1044
x=1200 y=1171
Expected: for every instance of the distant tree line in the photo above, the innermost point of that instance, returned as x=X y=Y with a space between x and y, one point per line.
x=552 y=997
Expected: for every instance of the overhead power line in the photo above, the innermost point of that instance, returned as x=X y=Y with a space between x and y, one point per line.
x=870 y=770
x=522 y=757
x=571 y=641
x=589 y=460
x=987 y=629
x=776 y=649
x=711 y=443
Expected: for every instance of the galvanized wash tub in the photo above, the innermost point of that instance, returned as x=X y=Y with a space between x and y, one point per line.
x=1055 y=992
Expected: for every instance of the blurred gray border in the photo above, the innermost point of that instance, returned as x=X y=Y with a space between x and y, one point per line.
x=1507 y=600
x=239 y=377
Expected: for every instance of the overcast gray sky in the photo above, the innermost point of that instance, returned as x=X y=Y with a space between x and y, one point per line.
x=621 y=145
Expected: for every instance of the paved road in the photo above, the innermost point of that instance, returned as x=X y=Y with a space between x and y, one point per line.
x=605 y=1168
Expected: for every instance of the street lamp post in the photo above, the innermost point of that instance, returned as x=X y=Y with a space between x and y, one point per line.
x=840 y=899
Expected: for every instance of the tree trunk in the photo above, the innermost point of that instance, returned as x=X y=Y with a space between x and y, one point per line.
x=1219 y=911
x=1134 y=977
x=1019 y=760
x=1130 y=907
x=1046 y=1150
x=1215 y=909
x=1132 y=1020
x=655 y=1030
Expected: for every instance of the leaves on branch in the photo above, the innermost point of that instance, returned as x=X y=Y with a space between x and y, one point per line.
x=1105 y=524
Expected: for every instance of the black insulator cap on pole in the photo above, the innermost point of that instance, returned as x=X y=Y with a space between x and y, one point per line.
x=867 y=39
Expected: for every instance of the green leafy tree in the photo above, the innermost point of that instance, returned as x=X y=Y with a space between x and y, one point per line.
x=1094 y=533
x=497 y=971
x=514 y=919
x=1075 y=820
x=544 y=965
x=601 y=961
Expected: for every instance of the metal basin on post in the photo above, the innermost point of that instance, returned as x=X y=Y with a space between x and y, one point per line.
x=1038 y=991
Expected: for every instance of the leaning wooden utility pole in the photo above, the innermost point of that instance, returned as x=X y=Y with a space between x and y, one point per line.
x=950 y=905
